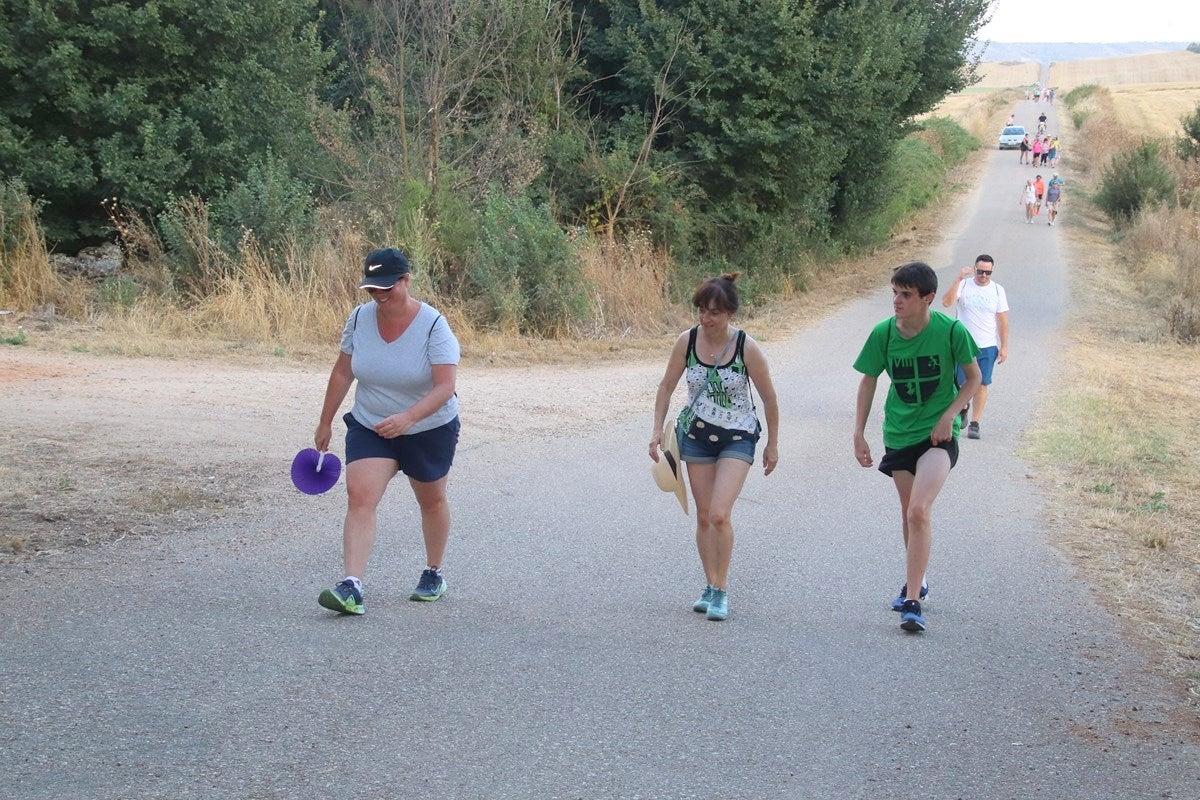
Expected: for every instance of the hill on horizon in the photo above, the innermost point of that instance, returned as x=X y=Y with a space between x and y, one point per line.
x=1048 y=52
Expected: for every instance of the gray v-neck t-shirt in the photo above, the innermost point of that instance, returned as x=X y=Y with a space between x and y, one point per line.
x=393 y=376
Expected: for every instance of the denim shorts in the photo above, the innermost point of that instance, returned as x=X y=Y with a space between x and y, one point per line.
x=424 y=456
x=702 y=451
x=986 y=361
x=904 y=459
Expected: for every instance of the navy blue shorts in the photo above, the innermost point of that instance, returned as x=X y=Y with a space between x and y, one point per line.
x=425 y=456
x=904 y=459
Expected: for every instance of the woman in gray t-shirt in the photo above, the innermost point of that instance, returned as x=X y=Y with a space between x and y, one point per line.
x=404 y=419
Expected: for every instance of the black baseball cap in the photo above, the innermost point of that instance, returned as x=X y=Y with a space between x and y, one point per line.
x=382 y=268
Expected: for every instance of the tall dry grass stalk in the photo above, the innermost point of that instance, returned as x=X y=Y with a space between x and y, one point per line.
x=628 y=284
x=27 y=281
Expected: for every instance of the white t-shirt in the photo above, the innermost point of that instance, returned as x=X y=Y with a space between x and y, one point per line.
x=977 y=308
x=393 y=376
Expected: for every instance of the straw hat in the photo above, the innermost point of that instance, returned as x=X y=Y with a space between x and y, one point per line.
x=668 y=470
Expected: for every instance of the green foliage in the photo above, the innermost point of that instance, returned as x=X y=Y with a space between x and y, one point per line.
x=192 y=251
x=952 y=140
x=1194 y=47
x=1080 y=93
x=271 y=203
x=777 y=110
x=17 y=339
x=1080 y=116
x=119 y=291
x=1135 y=180
x=525 y=271
x=1188 y=145
x=142 y=100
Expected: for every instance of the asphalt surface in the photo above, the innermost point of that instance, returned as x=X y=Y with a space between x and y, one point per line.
x=565 y=661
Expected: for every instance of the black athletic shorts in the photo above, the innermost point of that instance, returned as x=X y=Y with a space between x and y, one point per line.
x=904 y=459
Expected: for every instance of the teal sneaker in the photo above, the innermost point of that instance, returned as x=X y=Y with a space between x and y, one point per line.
x=701 y=605
x=345 y=598
x=718 y=605
x=430 y=587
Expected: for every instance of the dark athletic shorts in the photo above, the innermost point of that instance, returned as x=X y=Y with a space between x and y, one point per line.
x=904 y=459
x=424 y=456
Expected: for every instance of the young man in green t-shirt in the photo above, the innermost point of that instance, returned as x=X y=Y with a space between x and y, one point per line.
x=919 y=350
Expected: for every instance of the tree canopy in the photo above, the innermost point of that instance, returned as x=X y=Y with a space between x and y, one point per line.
x=710 y=125
x=143 y=99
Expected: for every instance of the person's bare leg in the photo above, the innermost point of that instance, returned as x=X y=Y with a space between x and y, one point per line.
x=366 y=481
x=932 y=469
x=435 y=517
x=730 y=477
x=978 y=402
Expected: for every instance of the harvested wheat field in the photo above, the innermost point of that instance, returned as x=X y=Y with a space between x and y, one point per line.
x=1182 y=67
x=1155 y=109
x=1150 y=93
x=1007 y=75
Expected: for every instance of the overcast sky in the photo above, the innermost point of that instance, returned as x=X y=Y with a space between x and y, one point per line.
x=1093 y=21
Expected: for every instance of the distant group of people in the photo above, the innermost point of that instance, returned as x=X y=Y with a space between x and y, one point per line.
x=1039 y=93
x=1043 y=151
x=1037 y=192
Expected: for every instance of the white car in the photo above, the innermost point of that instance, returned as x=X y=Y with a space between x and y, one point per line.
x=1011 y=137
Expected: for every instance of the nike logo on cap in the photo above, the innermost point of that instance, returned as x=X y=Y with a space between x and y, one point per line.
x=374 y=267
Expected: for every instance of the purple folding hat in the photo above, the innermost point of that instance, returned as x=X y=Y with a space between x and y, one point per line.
x=314 y=472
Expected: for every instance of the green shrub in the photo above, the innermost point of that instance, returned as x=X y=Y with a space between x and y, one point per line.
x=119 y=291
x=191 y=250
x=525 y=271
x=1080 y=116
x=1134 y=180
x=1080 y=93
x=955 y=142
x=271 y=202
x=1188 y=145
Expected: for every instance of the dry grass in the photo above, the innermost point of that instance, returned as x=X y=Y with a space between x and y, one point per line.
x=27 y=281
x=1155 y=109
x=1151 y=68
x=995 y=75
x=1149 y=93
x=981 y=115
x=1115 y=442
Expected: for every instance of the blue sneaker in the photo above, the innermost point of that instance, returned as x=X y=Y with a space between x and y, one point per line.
x=898 y=603
x=345 y=598
x=718 y=605
x=701 y=605
x=430 y=587
x=910 y=617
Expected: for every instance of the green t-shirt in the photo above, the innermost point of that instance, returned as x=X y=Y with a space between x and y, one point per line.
x=922 y=373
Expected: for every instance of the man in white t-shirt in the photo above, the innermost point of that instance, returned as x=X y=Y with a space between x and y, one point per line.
x=982 y=307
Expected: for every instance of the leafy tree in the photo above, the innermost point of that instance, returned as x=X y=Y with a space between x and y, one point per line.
x=142 y=99
x=1194 y=47
x=785 y=108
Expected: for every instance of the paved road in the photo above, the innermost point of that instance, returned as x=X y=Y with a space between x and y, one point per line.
x=566 y=663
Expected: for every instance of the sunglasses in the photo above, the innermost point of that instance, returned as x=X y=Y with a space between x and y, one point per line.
x=983 y=272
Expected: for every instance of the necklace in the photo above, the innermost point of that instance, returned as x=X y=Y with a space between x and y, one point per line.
x=716 y=356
